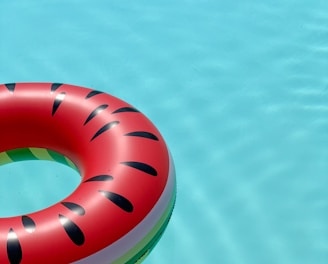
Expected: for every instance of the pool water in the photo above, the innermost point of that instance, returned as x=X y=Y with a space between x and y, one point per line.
x=239 y=90
x=30 y=186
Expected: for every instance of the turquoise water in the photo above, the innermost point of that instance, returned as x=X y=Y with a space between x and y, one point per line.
x=239 y=90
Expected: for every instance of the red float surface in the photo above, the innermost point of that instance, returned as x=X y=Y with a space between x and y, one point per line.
x=114 y=146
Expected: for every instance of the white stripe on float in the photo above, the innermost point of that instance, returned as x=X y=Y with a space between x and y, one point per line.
x=127 y=242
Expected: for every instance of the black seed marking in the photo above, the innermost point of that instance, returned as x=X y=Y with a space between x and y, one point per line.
x=119 y=200
x=100 y=178
x=141 y=166
x=142 y=134
x=105 y=128
x=11 y=87
x=95 y=112
x=125 y=109
x=92 y=93
x=59 y=99
x=55 y=86
x=78 y=209
x=72 y=230
x=28 y=223
x=14 y=249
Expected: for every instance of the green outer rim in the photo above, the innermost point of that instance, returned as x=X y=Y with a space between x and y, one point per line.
x=22 y=154
x=141 y=250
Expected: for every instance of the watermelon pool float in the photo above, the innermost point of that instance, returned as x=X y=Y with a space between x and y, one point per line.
x=127 y=190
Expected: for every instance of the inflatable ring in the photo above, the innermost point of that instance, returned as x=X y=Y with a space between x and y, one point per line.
x=127 y=190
